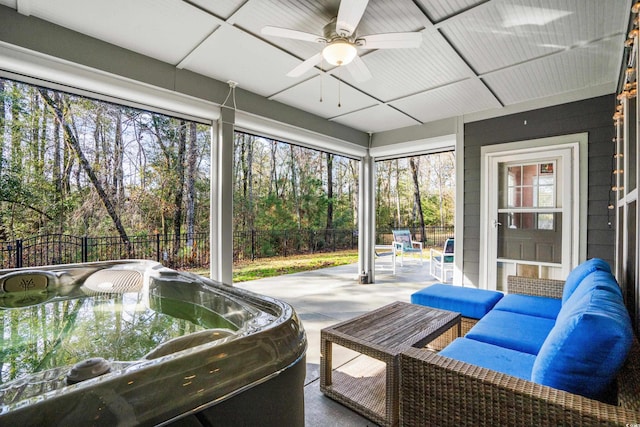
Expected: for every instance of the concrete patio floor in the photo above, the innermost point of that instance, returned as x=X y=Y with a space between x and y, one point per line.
x=324 y=297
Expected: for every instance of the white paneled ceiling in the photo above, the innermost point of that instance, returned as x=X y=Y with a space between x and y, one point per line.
x=377 y=119
x=232 y=54
x=163 y=29
x=476 y=55
x=325 y=96
x=456 y=99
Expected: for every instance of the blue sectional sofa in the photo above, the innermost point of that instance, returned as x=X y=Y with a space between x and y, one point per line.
x=572 y=346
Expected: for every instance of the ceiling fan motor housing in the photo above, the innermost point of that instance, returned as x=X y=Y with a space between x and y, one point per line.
x=330 y=33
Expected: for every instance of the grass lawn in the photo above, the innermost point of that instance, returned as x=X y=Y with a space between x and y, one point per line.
x=277 y=266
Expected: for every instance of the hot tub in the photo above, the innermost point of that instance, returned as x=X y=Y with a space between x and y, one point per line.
x=135 y=343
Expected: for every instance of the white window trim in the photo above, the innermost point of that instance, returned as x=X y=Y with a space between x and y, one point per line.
x=414 y=148
x=580 y=175
x=268 y=128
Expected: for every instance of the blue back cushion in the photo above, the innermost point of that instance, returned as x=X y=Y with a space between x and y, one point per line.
x=580 y=272
x=584 y=351
x=512 y=330
x=598 y=279
x=530 y=305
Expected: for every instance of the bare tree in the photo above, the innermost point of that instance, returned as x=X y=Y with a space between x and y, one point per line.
x=3 y=122
x=413 y=163
x=177 y=216
x=294 y=187
x=72 y=140
x=118 y=159
x=329 y=191
x=273 y=184
x=192 y=158
x=16 y=132
x=397 y=198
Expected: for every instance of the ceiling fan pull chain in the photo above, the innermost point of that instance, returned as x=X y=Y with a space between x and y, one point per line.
x=339 y=84
x=321 y=73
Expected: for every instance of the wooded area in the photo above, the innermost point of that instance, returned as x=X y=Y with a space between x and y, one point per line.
x=283 y=186
x=78 y=166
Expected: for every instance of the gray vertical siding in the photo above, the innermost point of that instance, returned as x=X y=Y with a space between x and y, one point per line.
x=592 y=116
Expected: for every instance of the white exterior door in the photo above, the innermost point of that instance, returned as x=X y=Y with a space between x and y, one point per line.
x=530 y=221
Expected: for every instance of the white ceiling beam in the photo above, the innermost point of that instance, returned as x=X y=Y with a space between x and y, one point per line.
x=24 y=7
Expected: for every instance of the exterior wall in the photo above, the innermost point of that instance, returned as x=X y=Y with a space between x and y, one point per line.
x=592 y=116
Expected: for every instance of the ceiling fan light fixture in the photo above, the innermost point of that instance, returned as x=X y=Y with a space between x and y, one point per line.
x=339 y=52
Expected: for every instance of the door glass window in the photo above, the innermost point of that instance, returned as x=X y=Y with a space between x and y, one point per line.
x=530 y=186
x=529 y=212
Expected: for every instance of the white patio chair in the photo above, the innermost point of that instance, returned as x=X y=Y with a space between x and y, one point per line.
x=442 y=261
x=388 y=253
x=402 y=244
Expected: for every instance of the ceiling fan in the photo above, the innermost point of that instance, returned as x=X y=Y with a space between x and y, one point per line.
x=342 y=43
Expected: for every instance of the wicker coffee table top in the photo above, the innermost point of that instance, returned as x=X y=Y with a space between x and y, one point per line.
x=380 y=334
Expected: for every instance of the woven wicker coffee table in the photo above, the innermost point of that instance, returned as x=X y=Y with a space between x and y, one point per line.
x=380 y=334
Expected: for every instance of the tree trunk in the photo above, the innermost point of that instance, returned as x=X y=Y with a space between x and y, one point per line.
x=43 y=138
x=68 y=158
x=3 y=123
x=440 y=188
x=413 y=162
x=329 y=193
x=57 y=175
x=354 y=192
x=397 y=201
x=191 y=181
x=177 y=216
x=34 y=171
x=273 y=185
x=251 y=217
x=294 y=187
x=16 y=155
x=75 y=144
x=118 y=158
x=244 y=168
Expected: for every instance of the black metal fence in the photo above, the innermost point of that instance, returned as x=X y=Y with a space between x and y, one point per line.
x=192 y=251
x=255 y=244
x=434 y=235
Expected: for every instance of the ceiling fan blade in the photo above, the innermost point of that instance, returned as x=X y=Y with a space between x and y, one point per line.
x=305 y=66
x=292 y=34
x=359 y=70
x=390 y=41
x=349 y=15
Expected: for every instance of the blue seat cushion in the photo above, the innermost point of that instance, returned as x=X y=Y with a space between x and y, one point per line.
x=584 y=352
x=530 y=305
x=576 y=275
x=470 y=302
x=516 y=331
x=490 y=356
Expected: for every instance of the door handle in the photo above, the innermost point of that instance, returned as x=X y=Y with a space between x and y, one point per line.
x=496 y=224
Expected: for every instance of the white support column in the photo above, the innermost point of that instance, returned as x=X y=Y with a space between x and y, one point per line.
x=458 y=270
x=214 y=267
x=221 y=222
x=366 y=220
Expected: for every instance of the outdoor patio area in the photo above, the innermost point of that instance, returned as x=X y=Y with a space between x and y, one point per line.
x=324 y=297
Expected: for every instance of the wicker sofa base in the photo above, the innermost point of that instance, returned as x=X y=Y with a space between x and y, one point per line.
x=436 y=390
x=439 y=391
